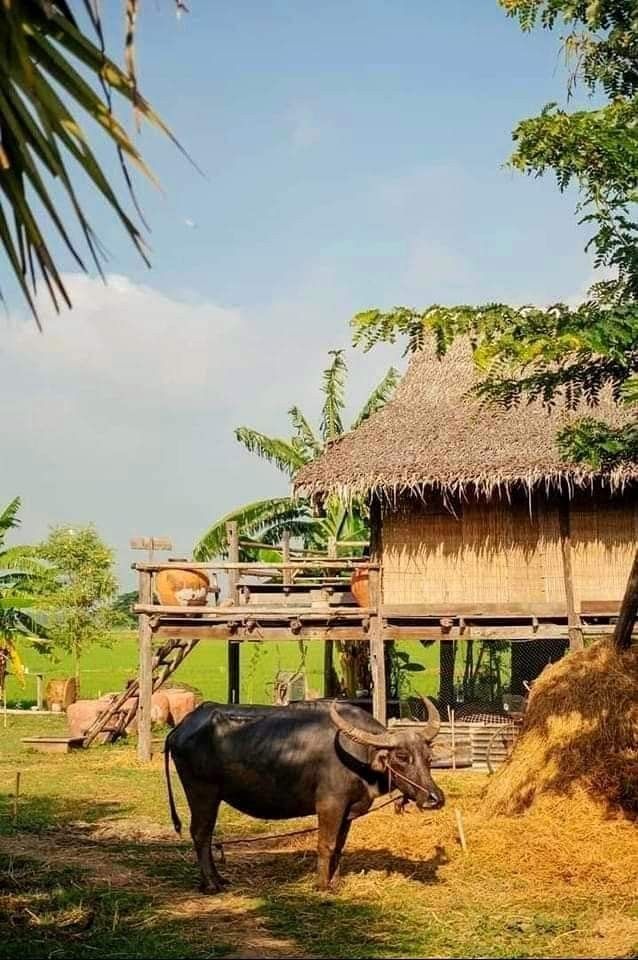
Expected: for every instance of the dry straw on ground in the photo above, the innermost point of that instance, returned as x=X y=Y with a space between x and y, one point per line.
x=580 y=734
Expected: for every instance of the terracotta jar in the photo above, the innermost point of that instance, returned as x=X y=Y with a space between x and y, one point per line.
x=360 y=587
x=182 y=588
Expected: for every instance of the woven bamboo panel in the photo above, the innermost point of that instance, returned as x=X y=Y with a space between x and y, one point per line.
x=492 y=553
x=604 y=540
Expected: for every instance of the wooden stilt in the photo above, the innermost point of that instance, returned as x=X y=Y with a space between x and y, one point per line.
x=234 y=677
x=145 y=671
x=375 y=632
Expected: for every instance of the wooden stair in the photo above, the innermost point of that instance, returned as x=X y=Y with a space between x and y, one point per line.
x=112 y=722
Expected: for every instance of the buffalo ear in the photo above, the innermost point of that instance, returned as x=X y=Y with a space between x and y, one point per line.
x=380 y=760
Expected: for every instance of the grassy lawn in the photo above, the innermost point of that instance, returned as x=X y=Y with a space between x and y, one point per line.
x=106 y=669
x=92 y=867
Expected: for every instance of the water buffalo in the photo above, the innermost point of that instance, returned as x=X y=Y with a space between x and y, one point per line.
x=277 y=763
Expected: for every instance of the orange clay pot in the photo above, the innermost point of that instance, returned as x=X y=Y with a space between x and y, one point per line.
x=182 y=588
x=360 y=587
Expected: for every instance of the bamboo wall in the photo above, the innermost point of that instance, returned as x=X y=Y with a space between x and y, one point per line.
x=501 y=552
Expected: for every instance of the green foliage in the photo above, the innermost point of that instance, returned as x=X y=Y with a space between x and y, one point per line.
x=82 y=612
x=55 y=76
x=265 y=521
x=572 y=352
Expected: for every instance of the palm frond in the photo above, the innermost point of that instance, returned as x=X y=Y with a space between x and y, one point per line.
x=40 y=132
x=251 y=520
x=280 y=452
x=379 y=396
x=333 y=387
x=304 y=433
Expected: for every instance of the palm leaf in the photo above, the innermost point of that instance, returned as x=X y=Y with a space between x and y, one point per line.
x=280 y=452
x=333 y=388
x=379 y=397
x=41 y=41
x=251 y=519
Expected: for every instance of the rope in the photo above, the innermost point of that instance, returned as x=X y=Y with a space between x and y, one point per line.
x=259 y=838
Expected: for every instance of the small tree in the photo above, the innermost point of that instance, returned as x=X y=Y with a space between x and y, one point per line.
x=82 y=611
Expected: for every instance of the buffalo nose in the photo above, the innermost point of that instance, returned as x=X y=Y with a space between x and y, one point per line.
x=437 y=799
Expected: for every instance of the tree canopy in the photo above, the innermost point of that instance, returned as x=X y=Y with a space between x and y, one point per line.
x=537 y=351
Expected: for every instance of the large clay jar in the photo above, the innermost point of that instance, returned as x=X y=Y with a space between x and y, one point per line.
x=360 y=587
x=182 y=588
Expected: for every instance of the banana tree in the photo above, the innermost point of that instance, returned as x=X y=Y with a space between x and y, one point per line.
x=263 y=523
x=23 y=584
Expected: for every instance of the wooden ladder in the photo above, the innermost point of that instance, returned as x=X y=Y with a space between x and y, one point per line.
x=113 y=721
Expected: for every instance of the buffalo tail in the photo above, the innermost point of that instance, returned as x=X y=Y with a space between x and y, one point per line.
x=177 y=823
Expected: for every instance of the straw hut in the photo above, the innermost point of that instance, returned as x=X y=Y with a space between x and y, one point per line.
x=475 y=514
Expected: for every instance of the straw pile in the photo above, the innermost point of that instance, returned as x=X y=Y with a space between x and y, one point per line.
x=580 y=735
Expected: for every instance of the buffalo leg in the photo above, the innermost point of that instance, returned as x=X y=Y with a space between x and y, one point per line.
x=342 y=836
x=331 y=819
x=203 y=800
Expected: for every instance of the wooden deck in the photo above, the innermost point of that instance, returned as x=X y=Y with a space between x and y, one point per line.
x=310 y=599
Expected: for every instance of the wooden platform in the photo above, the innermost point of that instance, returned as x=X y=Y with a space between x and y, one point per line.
x=52 y=744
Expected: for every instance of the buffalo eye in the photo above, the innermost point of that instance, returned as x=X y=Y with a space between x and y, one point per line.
x=402 y=756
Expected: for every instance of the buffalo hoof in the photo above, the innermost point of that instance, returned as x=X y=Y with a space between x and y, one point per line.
x=213 y=887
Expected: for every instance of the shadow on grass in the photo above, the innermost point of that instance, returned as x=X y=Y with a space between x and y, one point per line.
x=37 y=814
x=59 y=911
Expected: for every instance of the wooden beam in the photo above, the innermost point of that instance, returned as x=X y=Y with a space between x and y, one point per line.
x=268 y=631
x=255 y=611
x=145 y=674
x=493 y=611
x=232 y=533
x=573 y=620
x=259 y=568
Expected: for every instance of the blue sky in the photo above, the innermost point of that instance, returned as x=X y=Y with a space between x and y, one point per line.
x=353 y=155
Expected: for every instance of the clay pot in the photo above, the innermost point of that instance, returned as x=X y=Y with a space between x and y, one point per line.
x=360 y=587
x=182 y=588
x=61 y=692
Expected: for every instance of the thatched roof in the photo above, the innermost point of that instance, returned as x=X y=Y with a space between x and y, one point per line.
x=432 y=436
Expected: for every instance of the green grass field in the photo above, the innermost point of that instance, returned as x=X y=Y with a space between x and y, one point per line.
x=106 y=669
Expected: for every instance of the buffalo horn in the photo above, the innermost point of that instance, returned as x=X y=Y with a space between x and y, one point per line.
x=385 y=739
x=433 y=724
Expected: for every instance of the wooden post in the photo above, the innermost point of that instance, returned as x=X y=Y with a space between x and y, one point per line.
x=16 y=799
x=145 y=674
x=328 y=645
x=447 y=657
x=377 y=648
x=285 y=557
x=628 y=611
x=573 y=620
x=234 y=679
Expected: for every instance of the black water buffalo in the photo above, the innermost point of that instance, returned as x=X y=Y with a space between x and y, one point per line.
x=276 y=763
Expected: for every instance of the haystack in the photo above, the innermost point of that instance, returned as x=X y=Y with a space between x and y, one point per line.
x=580 y=735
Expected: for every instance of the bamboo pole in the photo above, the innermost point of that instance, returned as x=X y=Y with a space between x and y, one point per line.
x=459 y=826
